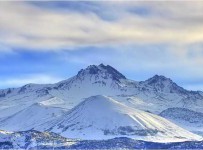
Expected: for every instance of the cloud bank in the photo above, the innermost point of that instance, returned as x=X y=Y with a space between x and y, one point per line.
x=24 y=24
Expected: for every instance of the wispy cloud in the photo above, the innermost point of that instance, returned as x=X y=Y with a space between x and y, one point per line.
x=31 y=26
x=34 y=78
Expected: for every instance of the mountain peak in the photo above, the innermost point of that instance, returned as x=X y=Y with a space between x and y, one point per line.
x=101 y=65
x=102 y=69
x=158 y=79
x=162 y=83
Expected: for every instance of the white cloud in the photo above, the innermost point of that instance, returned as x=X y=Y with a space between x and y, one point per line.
x=25 y=25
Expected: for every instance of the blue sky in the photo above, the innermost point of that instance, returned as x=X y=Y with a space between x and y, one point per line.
x=45 y=42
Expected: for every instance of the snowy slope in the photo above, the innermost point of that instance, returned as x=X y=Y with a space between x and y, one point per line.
x=101 y=117
x=188 y=119
x=31 y=117
x=200 y=92
x=17 y=99
x=53 y=101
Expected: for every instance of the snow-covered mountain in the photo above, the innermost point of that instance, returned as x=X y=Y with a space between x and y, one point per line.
x=153 y=95
x=17 y=99
x=101 y=117
x=188 y=119
x=159 y=93
x=31 y=117
x=93 y=80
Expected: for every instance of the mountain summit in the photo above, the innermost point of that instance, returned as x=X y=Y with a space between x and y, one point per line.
x=101 y=75
x=158 y=79
x=105 y=71
x=162 y=83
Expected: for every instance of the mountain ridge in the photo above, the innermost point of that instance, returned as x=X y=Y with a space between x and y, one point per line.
x=92 y=69
x=153 y=95
x=107 y=81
